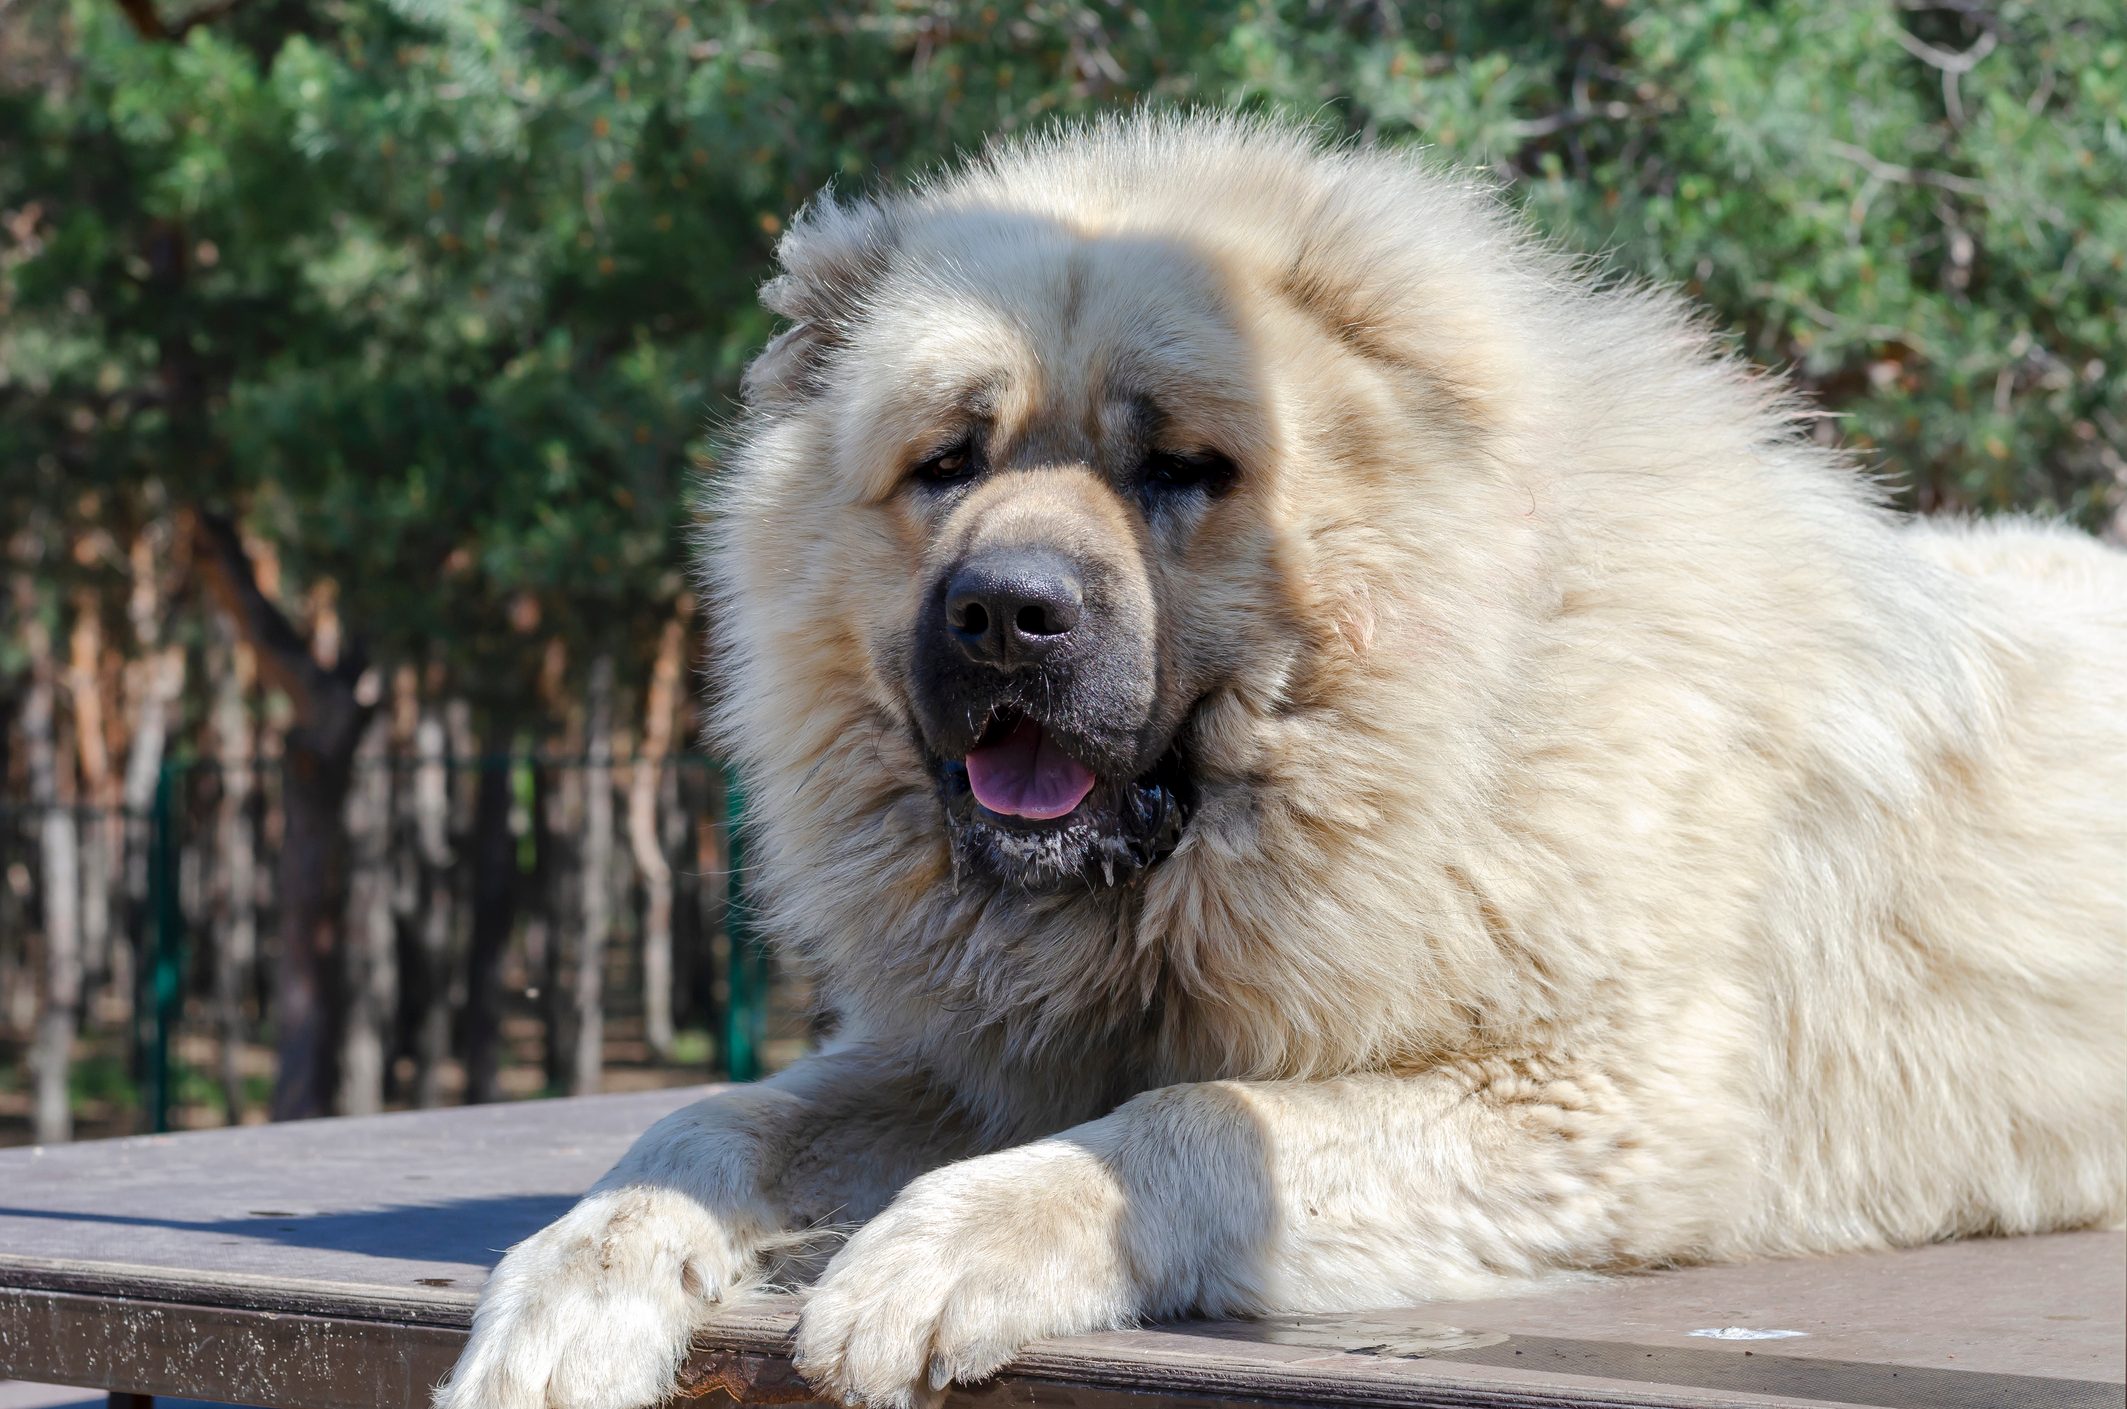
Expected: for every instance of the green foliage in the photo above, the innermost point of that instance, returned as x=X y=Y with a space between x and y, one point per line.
x=447 y=295
x=692 y=1047
x=1915 y=207
x=101 y=1078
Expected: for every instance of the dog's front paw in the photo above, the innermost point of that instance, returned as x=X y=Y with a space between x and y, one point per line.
x=969 y=1264
x=595 y=1311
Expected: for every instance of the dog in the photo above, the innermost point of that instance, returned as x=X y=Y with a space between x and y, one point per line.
x=1322 y=754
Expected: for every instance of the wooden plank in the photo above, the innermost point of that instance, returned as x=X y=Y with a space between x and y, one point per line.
x=1975 y=1309
x=306 y=1362
x=346 y=1255
x=415 y=1203
x=220 y=1353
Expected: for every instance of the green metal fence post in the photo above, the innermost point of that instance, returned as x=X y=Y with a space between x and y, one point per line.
x=164 y=968
x=742 y=1014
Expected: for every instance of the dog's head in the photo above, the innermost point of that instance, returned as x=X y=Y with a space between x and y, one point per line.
x=1071 y=476
x=1063 y=459
x=1062 y=485
x=1127 y=557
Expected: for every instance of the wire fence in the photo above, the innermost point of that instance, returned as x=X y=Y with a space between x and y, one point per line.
x=505 y=926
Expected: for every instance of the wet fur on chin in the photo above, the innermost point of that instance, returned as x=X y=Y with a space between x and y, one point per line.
x=1568 y=701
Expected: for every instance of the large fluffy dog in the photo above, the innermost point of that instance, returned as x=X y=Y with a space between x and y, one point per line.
x=1322 y=758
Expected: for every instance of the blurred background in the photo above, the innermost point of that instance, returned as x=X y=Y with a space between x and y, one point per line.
x=359 y=358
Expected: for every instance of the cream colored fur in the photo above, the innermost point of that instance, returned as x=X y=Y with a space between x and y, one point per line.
x=1623 y=842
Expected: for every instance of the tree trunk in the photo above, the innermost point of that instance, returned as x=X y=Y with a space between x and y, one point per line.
x=712 y=867
x=403 y=865
x=676 y=828
x=431 y=817
x=104 y=883
x=369 y=957
x=597 y=873
x=235 y=909
x=333 y=699
x=494 y=914
x=154 y=684
x=644 y=842
x=556 y=808
x=59 y=884
x=309 y=998
x=557 y=822
x=91 y=745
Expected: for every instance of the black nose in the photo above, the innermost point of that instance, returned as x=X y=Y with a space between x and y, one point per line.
x=1009 y=607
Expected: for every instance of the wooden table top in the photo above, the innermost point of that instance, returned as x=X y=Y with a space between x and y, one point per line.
x=334 y=1265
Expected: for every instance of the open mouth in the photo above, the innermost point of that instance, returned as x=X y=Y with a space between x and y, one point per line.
x=1021 y=806
x=1025 y=772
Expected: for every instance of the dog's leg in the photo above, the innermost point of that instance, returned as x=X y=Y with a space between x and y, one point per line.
x=595 y=1311
x=1229 y=1197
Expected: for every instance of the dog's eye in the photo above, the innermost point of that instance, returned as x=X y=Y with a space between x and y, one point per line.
x=1205 y=470
x=951 y=465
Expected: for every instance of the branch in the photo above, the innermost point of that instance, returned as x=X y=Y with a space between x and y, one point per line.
x=542 y=20
x=205 y=14
x=1976 y=11
x=1885 y=333
x=235 y=586
x=1948 y=60
x=322 y=697
x=1905 y=175
x=1544 y=126
x=141 y=14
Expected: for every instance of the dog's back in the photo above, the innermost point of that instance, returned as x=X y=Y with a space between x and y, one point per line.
x=1962 y=1041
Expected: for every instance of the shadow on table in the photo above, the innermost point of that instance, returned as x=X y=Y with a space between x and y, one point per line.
x=15 y=1394
x=458 y=1230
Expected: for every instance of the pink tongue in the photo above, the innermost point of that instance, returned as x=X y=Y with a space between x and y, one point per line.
x=1024 y=774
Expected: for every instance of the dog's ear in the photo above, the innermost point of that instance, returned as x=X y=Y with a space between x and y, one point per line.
x=829 y=259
